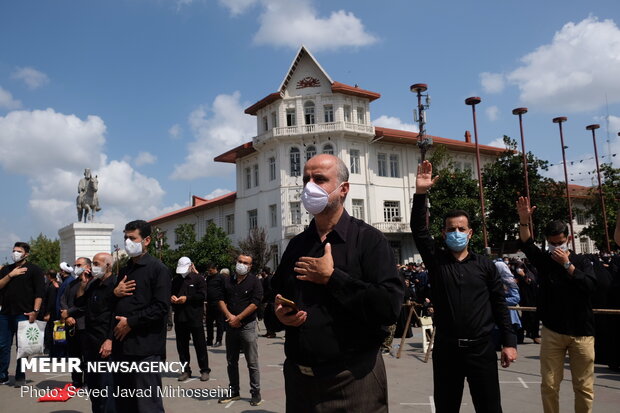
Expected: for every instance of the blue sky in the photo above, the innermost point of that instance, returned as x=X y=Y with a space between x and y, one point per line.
x=146 y=92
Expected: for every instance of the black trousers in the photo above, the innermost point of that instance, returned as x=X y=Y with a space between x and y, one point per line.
x=99 y=381
x=149 y=382
x=453 y=364
x=214 y=316
x=360 y=388
x=76 y=343
x=183 y=331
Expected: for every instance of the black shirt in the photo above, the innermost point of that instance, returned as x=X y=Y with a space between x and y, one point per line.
x=67 y=302
x=238 y=296
x=349 y=315
x=19 y=294
x=564 y=301
x=96 y=305
x=48 y=306
x=194 y=288
x=146 y=310
x=467 y=295
x=215 y=286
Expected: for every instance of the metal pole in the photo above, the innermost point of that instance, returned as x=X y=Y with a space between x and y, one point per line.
x=473 y=101
x=600 y=186
x=559 y=120
x=520 y=112
x=423 y=142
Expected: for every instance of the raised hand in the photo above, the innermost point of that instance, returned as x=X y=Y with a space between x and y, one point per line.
x=524 y=210
x=424 y=179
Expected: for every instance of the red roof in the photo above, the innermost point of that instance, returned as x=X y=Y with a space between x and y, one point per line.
x=401 y=136
x=198 y=204
x=238 y=152
x=337 y=87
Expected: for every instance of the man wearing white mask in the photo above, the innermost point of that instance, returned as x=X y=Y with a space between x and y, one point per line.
x=189 y=291
x=567 y=283
x=140 y=316
x=241 y=296
x=21 y=285
x=341 y=275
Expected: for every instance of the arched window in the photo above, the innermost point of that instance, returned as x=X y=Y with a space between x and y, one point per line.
x=310 y=152
x=295 y=161
x=309 y=112
x=328 y=149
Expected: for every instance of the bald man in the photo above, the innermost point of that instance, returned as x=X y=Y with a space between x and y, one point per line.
x=96 y=299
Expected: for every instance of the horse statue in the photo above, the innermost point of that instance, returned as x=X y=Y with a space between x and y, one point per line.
x=87 y=201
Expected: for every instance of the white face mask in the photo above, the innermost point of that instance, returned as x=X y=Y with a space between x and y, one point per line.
x=97 y=272
x=185 y=274
x=563 y=247
x=17 y=256
x=78 y=271
x=241 y=269
x=315 y=198
x=133 y=249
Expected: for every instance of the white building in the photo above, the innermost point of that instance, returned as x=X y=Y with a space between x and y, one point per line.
x=310 y=114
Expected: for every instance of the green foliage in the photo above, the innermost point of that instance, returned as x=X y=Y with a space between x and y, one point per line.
x=45 y=252
x=256 y=245
x=611 y=192
x=504 y=182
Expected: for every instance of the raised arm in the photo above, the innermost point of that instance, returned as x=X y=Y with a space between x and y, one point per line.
x=421 y=234
x=525 y=213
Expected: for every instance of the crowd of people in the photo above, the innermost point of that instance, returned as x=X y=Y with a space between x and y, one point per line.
x=338 y=294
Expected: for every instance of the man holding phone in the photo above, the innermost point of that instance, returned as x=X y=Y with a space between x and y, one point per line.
x=340 y=273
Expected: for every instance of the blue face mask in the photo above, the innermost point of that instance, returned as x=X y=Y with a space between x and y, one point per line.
x=456 y=240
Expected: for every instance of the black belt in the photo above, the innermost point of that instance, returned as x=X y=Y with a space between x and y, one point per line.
x=332 y=369
x=465 y=342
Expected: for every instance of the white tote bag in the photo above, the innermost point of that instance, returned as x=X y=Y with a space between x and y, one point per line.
x=30 y=338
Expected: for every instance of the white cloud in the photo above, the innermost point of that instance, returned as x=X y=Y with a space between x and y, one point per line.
x=492 y=113
x=7 y=101
x=394 y=123
x=290 y=23
x=217 y=192
x=216 y=129
x=492 y=82
x=175 y=131
x=575 y=71
x=31 y=77
x=145 y=158
x=498 y=143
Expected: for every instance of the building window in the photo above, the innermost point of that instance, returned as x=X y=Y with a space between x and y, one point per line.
x=248 y=178
x=310 y=152
x=328 y=149
x=208 y=223
x=354 y=155
x=391 y=211
x=272 y=168
x=360 y=116
x=309 y=113
x=275 y=256
x=253 y=219
x=274 y=120
x=295 y=213
x=295 y=162
x=256 y=175
x=357 y=208
x=230 y=224
x=582 y=218
x=382 y=164
x=585 y=245
x=394 y=170
x=265 y=124
x=290 y=117
x=396 y=249
x=328 y=111
x=347 y=113
x=273 y=215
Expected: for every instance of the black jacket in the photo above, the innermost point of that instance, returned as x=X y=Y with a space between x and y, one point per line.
x=194 y=288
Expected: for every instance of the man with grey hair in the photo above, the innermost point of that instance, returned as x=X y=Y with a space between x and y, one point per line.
x=338 y=290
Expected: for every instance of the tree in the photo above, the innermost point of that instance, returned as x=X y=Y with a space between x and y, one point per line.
x=45 y=252
x=504 y=182
x=611 y=193
x=256 y=245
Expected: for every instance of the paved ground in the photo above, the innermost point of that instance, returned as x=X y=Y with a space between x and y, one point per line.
x=409 y=379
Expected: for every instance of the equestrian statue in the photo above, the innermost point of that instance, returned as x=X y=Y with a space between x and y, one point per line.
x=87 y=201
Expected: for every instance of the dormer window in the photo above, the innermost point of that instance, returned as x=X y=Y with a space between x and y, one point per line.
x=309 y=112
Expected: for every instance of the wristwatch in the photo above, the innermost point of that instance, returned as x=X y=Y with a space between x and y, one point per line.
x=567 y=265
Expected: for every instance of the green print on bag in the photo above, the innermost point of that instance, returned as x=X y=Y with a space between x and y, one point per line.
x=32 y=334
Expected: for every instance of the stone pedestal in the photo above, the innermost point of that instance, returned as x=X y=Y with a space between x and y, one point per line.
x=84 y=240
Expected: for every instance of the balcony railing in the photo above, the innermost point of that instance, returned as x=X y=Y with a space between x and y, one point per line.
x=314 y=128
x=392 y=227
x=291 y=230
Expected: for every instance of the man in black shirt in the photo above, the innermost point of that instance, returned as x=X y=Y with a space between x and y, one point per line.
x=188 y=298
x=141 y=313
x=215 y=285
x=95 y=300
x=566 y=285
x=21 y=285
x=239 y=300
x=340 y=273
x=468 y=299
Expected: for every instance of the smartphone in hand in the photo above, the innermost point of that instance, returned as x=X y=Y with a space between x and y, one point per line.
x=285 y=302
